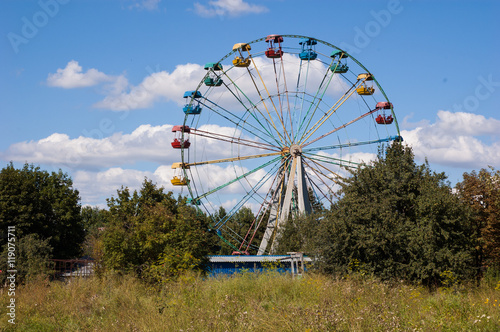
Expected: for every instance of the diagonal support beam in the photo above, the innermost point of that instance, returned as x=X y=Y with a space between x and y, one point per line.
x=273 y=216
x=287 y=202
x=303 y=194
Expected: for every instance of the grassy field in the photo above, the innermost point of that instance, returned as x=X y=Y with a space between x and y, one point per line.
x=249 y=302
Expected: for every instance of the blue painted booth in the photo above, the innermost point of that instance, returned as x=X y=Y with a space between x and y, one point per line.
x=231 y=264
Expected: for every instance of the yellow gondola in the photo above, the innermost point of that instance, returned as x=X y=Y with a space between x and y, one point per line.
x=240 y=61
x=363 y=89
x=176 y=181
x=179 y=179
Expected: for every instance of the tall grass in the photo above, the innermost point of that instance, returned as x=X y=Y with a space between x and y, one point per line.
x=250 y=302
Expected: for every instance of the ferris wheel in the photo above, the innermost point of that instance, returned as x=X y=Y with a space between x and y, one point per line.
x=273 y=126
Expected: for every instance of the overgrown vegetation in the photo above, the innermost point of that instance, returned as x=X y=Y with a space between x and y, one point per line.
x=45 y=210
x=252 y=302
x=153 y=235
x=400 y=220
x=481 y=192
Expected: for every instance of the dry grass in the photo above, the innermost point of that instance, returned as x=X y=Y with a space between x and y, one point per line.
x=250 y=302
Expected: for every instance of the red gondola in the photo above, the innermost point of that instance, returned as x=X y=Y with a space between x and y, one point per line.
x=274 y=41
x=384 y=120
x=381 y=118
x=180 y=140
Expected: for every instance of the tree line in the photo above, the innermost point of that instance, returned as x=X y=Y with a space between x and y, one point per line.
x=393 y=219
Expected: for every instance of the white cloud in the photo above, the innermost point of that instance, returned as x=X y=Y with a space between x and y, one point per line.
x=232 y=8
x=165 y=86
x=457 y=139
x=146 y=143
x=95 y=187
x=169 y=86
x=72 y=76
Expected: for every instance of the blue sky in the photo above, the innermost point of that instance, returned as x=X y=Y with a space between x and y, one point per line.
x=93 y=87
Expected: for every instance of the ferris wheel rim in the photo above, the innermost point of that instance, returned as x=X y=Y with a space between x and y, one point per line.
x=192 y=186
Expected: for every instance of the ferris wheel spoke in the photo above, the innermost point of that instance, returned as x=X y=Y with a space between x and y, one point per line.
x=334 y=177
x=272 y=206
x=225 y=160
x=304 y=93
x=341 y=127
x=297 y=93
x=269 y=119
x=235 y=140
x=318 y=188
x=235 y=179
x=248 y=195
x=351 y=144
x=238 y=121
x=287 y=99
x=272 y=102
x=332 y=110
x=280 y=108
x=317 y=100
x=266 y=204
x=332 y=160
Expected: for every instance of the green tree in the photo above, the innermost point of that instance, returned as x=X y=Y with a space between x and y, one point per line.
x=400 y=220
x=481 y=192
x=93 y=218
x=154 y=235
x=94 y=221
x=41 y=203
x=32 y=258
x=299 y=234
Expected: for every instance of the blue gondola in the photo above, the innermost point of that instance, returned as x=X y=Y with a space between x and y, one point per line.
x=308 y=52
x=191 y=108
x=212 y=78
x=338 y=67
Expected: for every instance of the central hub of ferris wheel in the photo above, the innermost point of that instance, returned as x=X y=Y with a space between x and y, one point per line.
x=294 y=150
